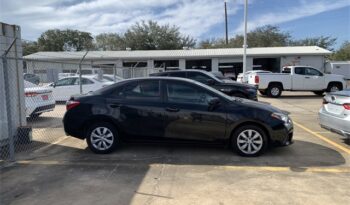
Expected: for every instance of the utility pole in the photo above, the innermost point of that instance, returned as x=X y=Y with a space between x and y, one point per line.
x=226 y=27
x=80 y=74
x=245 y=37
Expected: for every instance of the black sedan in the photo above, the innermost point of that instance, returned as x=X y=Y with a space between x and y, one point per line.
x=174 y=109
x=231 y=88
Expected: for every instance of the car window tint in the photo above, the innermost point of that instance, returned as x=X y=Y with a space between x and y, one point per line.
x=65 y=82
x=299 y=70
x=184 y=93
x=311 y=71
x=148 y=90
x=178 y=74
x=200 y=77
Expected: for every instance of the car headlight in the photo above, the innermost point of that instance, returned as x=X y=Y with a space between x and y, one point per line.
x=283 y=117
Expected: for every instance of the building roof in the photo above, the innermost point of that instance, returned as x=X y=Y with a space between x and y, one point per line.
x=176 y=54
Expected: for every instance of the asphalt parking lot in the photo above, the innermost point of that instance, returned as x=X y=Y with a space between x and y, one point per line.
x=314 y=170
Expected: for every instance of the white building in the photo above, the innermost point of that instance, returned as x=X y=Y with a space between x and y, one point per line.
x=225 y=60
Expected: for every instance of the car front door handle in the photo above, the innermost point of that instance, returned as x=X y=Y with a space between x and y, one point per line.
x=169 y=109
x=307 y=77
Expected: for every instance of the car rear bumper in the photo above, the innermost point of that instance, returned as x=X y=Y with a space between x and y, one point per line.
x=40 y=109
x=335 y=124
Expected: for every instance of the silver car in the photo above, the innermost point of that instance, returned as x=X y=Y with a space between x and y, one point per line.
x=335 y=112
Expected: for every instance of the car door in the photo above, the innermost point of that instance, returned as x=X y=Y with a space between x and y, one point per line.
x=314 y=79
x=65 y=88
x=298 y=78
x=139 y=109
x=187 y=115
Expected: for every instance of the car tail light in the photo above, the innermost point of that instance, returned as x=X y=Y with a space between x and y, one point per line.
x=71 y=104
x=30 y=94
x=257 y=79
x=347 y=106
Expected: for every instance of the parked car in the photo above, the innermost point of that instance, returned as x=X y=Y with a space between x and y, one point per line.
x=298 y=78
x=335 y=113
x=231 y=89
x=66 y=87
x=37 y=99
x=31 y=78
x=167 y=109
x=248 y=76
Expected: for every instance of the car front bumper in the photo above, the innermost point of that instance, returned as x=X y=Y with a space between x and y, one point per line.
x=334 y=123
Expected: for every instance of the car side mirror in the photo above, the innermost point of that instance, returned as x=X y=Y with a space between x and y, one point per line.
x=210 y=82
x=213 y=103
x=53 y=85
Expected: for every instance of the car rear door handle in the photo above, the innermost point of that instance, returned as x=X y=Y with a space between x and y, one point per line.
x=114 y=105
x=169 y=109
x=307 y=77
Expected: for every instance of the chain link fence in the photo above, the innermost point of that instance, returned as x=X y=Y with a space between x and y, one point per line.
x=34 y=119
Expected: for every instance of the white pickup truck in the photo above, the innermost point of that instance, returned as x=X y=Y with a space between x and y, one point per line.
x=297 y=78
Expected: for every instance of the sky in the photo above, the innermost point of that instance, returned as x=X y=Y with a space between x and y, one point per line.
x=201 y=19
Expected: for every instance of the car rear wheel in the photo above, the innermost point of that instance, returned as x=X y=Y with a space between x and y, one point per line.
x=249 y=141
x=102 y=138
x=334 y=87
x=274 y=90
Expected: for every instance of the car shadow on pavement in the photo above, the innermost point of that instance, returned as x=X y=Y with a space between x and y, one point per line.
x=67 y=175
x=311 y=96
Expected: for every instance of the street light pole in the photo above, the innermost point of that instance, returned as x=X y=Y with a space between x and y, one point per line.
x=226 y=27
x=245 y=37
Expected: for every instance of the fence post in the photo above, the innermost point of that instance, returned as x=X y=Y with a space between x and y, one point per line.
x=9 y=114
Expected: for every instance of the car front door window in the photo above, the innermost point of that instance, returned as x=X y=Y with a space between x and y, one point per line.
x=200 y=77
x=66 y=82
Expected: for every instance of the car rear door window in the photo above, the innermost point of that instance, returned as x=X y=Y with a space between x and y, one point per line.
x=84 y=81
x=299 y=70
x=144 y=90
x=185 y=93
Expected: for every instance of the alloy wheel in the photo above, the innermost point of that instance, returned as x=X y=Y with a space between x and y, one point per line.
x=102 y=138
x=250 y=141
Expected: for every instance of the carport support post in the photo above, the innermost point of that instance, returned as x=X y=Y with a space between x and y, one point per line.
x=81 y=61
x=8 y=103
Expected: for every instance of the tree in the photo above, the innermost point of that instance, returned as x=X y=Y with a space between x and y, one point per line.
x=326 y=42
x=64 y=40
x=110 y=42
x=151 y=36
x=266 y=36
x=343 y=53
x=29 y=47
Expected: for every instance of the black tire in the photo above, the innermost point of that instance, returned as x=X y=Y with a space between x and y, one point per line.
x=263 y=92
x=319 y=93
x=333 y=86
x=100 y=127
x=244 y=130
x=274 y=90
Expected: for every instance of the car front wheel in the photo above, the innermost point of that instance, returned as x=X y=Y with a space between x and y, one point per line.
x=249 y=141
x=102 y=138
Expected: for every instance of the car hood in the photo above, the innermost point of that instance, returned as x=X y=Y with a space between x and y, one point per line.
x=259 y=105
